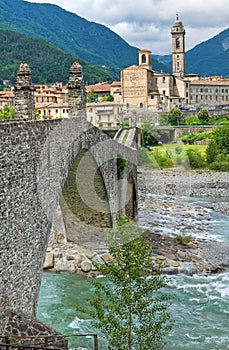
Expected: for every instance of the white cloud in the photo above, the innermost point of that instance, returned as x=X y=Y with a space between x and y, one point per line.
x=147 y=24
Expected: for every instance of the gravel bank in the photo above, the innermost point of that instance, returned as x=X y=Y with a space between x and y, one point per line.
x=171 y=189
x=165 y=211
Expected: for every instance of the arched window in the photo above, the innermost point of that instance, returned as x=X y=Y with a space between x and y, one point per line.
x=141 y=105
x=143 y=58
x=177 y=43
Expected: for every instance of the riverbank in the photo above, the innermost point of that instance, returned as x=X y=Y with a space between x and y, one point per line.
x=165 y=211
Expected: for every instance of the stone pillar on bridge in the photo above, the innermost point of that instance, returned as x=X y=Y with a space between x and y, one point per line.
x=24 y=94
x=76 y=91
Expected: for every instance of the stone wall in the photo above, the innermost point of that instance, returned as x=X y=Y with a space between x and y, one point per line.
x=35 y=160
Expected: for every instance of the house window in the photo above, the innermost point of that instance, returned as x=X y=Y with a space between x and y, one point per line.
x=163 y=80
x=141 y=105
x=216 y=90
x=163 y=92
x=186 y=85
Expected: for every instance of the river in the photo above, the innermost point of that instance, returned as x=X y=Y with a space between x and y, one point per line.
x=200 y=308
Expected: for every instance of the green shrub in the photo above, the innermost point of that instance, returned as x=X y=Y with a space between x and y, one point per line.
x=163 y=159
x=183 y=239
x=221 y=163
x=121 y=166
x=196 y=159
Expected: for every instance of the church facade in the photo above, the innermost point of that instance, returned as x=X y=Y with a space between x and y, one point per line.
x=142 y=87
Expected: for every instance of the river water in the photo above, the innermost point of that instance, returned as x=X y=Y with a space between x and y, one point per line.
x=200 y=307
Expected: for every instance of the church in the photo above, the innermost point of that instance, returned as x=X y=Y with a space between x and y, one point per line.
x=142 y=87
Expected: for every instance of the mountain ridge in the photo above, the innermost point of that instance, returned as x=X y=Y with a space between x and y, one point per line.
x=99 y=46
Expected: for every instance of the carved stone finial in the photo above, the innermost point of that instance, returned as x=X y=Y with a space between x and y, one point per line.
x=24 y=93
x=76 y=90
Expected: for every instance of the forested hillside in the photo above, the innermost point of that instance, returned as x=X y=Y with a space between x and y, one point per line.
x=91 y=42
x=48 y=63
x=73 y=34
x=211 y=57
x=75 y=37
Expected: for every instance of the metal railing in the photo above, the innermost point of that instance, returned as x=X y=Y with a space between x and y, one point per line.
x=40 y=342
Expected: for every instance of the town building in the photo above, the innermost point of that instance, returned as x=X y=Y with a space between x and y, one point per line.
x=142 y=87
x=106 y=115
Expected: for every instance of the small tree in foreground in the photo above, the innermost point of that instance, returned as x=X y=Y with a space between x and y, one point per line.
x=128 y=306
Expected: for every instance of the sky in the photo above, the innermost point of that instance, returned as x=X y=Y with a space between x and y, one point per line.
x=146 y=24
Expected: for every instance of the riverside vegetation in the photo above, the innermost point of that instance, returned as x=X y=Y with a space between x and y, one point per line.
x=208 y=150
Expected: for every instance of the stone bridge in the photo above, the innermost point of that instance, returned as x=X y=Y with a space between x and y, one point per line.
x=36 y=157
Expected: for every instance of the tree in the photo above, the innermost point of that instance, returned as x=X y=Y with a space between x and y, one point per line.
x=192 y=120
x=108 y=98
x=91 y=96
x=149 y=135
x=128 y=306
x=221 y=137
x=7 y=112
x=217 y=152
x=175 y=116
x=204 y=116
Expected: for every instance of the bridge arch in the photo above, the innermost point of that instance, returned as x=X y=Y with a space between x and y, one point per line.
x=37 y=157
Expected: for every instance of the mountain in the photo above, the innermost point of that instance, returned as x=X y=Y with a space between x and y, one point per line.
x=47 y=63
x=91 y=42
x=210 y=57
x=98 y=45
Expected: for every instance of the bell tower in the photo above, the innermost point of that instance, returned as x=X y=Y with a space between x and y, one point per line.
x=144 y=59
x=178 y=48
